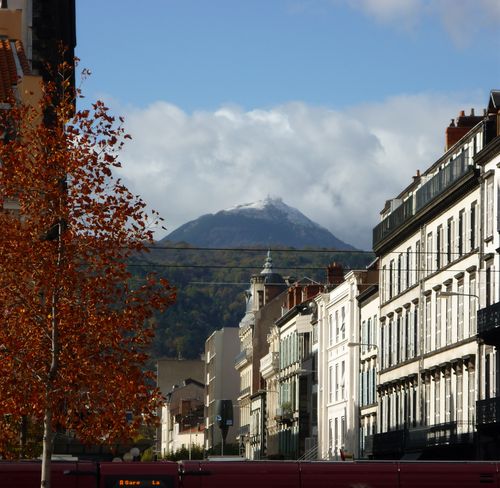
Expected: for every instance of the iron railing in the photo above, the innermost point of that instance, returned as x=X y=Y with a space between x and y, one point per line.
x=431 y=189
x=488 y=411
x=488 y=318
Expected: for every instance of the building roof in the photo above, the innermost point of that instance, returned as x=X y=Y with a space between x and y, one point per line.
x=494 y=103
x=13 y=66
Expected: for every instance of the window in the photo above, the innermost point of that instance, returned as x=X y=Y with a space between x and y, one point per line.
x=399 y=277
x=448 y=317
x=429 y=253
x=461 y=233
x=337 y=325
x=428 y=322
x=460 y=400
x=472 y=305
x=389 y=333
x=397 y=340
x=439 y=304
x=450 y=241
x=472 y=395
x=342 y=381
x=447 y=398
x=489 y=283
x=408 y=335
x=460 y=311
x=337 y=382
x=408 y=267
x=330 y=329
x=472 y=224
x=391 y=278
x=330 y=384
x=417 y=261
x=336 y=434
x=415 y=330
x=437 y=400
x=342 y=327
x=383 y=282
x=489 y=208
x=439 y=244
x=383 y=349
x=427 y=409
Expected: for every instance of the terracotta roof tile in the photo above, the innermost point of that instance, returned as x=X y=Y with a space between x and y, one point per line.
x=9 y=76
x=22 y=58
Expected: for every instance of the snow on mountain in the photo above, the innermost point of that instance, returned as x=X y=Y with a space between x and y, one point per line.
x=265 y=222
x=265 y=209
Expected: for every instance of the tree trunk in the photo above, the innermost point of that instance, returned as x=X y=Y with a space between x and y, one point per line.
x=47 y=449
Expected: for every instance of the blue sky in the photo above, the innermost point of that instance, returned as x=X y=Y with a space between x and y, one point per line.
x=330 y=104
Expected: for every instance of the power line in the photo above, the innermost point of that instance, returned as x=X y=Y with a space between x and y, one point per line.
x=259 y=250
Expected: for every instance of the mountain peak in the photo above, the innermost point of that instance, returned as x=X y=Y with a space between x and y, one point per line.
x=263 y=222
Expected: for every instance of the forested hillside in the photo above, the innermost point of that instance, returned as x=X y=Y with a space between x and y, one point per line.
x=211 y=283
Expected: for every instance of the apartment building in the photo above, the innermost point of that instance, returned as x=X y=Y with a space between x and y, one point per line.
x=488 y=319
x=368 y=304
x=295 y=420
x=434 y=275
x=263 y=307
x=338 y=366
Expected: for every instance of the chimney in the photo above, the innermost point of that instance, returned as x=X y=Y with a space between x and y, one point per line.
x=334 y=274
x=459 y=127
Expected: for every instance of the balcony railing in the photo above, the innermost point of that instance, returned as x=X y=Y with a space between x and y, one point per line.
x=488 y=411
x=431 y=189
x=441 y=181
x=393 y=221
x=488 y=320
x=419 y=438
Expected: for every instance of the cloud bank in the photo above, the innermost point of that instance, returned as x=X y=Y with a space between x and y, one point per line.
x=337 y=167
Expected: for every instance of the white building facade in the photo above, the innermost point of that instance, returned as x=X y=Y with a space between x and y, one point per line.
x=338 y=366
x=434 y=275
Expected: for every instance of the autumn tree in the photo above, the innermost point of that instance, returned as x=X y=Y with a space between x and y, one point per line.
x=74 y=329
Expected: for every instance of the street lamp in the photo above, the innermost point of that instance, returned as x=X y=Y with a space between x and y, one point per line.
x=369 y=345
x=445 y=294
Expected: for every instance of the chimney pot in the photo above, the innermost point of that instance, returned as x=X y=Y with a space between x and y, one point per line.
x=452 y=123
x=462 y=113
x=472 y=112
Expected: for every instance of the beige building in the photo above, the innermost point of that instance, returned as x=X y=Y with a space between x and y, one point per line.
x=222 y=383
x=183 y=421
x=170 y=374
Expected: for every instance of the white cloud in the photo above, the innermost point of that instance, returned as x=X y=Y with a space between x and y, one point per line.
x=390 y=11
x=336 y=167
x=461 y=19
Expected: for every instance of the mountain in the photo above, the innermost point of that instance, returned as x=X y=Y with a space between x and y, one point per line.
x=265 y=222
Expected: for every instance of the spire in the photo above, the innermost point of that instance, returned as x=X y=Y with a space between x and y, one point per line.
x=268 y=265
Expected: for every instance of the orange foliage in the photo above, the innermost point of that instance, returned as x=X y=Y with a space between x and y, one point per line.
x=74 y=330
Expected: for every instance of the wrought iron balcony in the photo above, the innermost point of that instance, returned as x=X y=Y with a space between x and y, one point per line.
x=393 y=221
x=488 y=323
x=419 y=438
x=442 y=180
x=488 y=411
